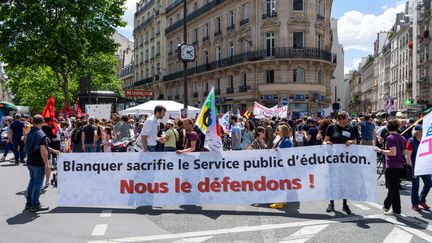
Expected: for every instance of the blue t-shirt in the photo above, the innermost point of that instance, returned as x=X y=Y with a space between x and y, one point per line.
x=284 y=143
x=313 y=132
x=236 y=131
x=366 y=130
x=17 y=129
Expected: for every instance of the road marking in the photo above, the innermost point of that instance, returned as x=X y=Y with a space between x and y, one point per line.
x=194 y=240
x=376 y=205
x=360 y=206
x=405 y=227
x=399 y=236
x=99 y=230
x=242 y=229
x=106 y=213
x=304 y=234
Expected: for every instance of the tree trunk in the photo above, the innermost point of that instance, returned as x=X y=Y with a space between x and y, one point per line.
x=66 y=88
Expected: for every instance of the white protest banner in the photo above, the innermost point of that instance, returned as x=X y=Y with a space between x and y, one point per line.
x=99 y=111
x=327 y=111
x=423 y=164
x=261 y=111
x=236 y=177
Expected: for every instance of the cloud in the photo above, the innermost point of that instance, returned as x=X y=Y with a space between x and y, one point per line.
x=357 y=31
x=128 y=16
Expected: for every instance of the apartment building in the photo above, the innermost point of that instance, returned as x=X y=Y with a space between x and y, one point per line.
x=250 y=50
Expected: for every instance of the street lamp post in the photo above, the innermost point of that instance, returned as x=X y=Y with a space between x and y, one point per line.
x=185 y=89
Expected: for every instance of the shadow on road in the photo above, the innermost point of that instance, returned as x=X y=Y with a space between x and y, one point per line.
x=9 y=165
x=22 y=218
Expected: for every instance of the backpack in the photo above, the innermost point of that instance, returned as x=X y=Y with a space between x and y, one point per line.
x=76 y=136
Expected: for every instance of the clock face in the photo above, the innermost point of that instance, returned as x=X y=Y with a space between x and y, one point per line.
x=187 y=52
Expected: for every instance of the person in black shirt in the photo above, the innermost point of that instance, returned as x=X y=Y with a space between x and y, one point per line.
x=89 y=136
x=341 y=133
x=37 y=163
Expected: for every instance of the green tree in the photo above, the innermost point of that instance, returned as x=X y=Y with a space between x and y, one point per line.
x=60 y=34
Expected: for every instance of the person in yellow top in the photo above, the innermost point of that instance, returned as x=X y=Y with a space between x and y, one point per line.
x=27 y=126
x=172 y=136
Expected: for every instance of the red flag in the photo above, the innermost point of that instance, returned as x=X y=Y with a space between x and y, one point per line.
x=77 y=109
x=49 y=112
x=66 y=111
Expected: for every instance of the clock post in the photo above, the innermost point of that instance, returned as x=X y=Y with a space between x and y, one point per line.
x=185 y=88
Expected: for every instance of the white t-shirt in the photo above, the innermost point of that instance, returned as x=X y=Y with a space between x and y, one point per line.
x=150 y=129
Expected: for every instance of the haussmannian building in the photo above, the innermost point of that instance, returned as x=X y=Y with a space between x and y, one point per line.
x=249 y=50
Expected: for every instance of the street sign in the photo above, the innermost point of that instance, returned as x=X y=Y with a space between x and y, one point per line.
x=284 y=101
x=184 y=113
x=139 y=93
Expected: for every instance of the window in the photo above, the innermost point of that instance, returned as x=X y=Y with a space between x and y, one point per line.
x=231 y=49
x=207 y=87
x=231 y=18
x=218 y=54
x=320 y=77
x=218 y=84
x=244 y=79
x=319 y=42
x=271 y=7
x=158 y=48
x=178 y=17
x=245 y=11
x=218 y=24
x=320 y=7
x=206 y=57
x=231 y=82
x=298 y=5
x=206 y=30
x=171 y=46
x=195 y=35
x=298 y=75
x=195 y=6
x=270 y=76
x=152 y=52
x=147 y=55
x=170 y=21
x=298 y=42
x=158 y=28
x=270 y=44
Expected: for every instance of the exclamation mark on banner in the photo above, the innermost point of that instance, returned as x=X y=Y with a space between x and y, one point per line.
x=311 y=181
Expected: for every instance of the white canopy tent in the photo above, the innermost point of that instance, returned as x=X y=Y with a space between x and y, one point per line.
x=173 y=109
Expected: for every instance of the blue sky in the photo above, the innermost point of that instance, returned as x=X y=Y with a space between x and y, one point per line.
x=359 y=21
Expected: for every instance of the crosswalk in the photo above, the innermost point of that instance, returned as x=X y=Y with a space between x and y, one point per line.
x=403 y=229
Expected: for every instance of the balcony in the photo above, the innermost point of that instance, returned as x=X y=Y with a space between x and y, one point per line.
x=244 y=21
x=157 y=77
x=251 y=56
x=197 y=13
x=173 y=6
x=244 y=89
x=217 y=33
x=269 y=15
x=195 y=94
x=129 y=69
x=231 y=27
x=205 y=38
x=230 y=90
x=320 y=17
x=143 y=81
x=217 y=91
x=148 y=21
x=145 y=8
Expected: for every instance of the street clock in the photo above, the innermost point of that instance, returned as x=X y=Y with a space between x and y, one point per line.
x=187 y=53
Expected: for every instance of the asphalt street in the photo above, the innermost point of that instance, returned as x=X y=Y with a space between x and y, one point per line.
x=297 y=222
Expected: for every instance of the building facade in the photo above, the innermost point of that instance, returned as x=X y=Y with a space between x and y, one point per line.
x=424 y=94
x=339 y=88
x=149 y=47
x=125 y=60
x=252 y=50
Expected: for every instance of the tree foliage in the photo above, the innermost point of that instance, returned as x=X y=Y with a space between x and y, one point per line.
x=63 y=35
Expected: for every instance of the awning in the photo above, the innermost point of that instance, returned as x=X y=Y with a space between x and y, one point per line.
x=8 y=105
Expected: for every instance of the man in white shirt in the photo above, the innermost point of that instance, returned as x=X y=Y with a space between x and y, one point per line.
x=150 y=130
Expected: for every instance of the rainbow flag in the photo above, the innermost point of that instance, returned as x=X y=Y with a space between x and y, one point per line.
x=208 y=123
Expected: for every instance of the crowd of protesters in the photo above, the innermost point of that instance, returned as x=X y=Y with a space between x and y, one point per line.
x=31 y=136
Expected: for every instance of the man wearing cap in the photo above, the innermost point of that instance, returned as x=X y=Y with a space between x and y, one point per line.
x=411 y=154
x=171 y=136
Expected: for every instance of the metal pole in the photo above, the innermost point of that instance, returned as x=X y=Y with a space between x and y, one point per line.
x=335 y=93
x=185 y=89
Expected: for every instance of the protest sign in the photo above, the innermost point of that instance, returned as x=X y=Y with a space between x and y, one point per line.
x=236 y=177
x=261 y=111
x=423 y=165
x=99 y=111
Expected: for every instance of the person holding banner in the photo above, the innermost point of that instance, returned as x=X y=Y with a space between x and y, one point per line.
x=340 y=133
x=248 y=134
x=284 y=133
x=235 y=133
x=394 y=164
x=259 y=142
x=192 y=138
x=411 y=152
